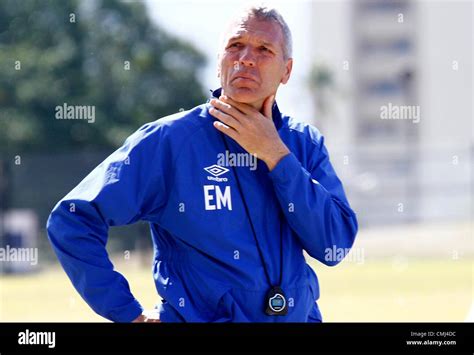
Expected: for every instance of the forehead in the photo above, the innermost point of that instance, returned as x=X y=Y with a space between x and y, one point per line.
x=253 y=29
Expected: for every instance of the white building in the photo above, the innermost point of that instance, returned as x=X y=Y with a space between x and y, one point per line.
x=398 y=120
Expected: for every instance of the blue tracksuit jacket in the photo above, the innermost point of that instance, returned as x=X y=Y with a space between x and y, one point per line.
x=206 y=265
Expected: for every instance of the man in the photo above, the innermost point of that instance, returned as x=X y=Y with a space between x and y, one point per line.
x=228 y=232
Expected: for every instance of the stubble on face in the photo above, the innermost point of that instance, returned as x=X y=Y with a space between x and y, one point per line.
x=252 y=63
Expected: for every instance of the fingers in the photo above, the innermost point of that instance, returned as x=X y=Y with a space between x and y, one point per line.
x=148 y=316
x=267 y=106
x=227 y=119
x=144 y=319
x=244 y=108
x=247 y=109
x=227 y=124
x=229 y=110
x=139 y=319
x=152 y=320
x=232 y=133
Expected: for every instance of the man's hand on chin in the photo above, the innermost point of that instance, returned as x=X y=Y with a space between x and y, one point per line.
x=252 y=129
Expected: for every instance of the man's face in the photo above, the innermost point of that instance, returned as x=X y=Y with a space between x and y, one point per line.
x=251 y=63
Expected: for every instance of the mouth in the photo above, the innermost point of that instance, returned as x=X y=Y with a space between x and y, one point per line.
x=245 y=77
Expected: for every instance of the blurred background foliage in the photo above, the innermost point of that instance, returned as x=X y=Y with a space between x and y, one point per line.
x=106 y=54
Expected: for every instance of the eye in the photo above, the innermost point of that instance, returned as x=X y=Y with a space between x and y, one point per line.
x=265 y=49
x=234 y=45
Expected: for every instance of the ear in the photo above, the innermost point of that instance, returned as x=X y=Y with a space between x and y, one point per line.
x=288 y=68
x=218 y=65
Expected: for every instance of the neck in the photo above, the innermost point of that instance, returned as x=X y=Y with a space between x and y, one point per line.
x=257 y=104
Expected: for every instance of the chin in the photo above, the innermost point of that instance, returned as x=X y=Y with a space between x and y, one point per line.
x=243 y=94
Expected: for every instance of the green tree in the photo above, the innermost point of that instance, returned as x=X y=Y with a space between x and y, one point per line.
x=106 y=54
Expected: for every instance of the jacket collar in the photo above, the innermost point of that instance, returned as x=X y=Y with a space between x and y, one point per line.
x=276 y=114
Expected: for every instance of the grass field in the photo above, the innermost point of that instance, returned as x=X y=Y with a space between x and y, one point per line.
x=378 y=290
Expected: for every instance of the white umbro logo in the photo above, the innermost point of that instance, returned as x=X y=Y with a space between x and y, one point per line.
x=214 y=197
x=216 y=170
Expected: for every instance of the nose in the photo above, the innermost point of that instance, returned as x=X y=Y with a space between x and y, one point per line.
x=247 y=58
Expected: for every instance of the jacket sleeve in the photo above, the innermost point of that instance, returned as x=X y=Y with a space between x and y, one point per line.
x=315 y=205
x=126 y=187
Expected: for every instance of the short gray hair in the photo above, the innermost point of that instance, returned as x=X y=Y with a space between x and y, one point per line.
x=266 y=13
